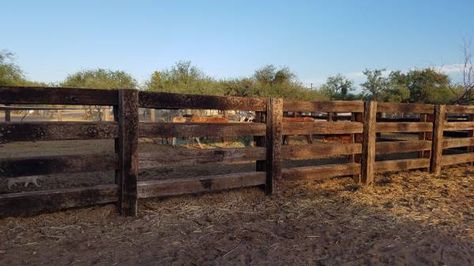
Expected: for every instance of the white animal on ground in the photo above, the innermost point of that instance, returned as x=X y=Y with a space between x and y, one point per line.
x=24 y=179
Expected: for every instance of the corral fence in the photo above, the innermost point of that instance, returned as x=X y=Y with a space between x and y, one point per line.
x=362 y=125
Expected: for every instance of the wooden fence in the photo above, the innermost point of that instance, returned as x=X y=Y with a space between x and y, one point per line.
x=362 y=152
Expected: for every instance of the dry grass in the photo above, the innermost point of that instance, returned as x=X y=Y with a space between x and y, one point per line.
x=406 y=218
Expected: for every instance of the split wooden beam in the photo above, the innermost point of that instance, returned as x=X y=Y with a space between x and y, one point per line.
x=437 y=142
x=368 y=143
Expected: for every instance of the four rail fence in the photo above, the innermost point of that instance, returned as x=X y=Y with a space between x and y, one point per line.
x=362 y=135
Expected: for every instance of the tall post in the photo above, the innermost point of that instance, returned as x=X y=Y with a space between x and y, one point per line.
x=128 y=151
x=273 y=141
x=437 y=142
x=368 y=143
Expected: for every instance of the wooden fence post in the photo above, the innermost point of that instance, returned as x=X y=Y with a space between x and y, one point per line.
x=368 y=143
x=273 y=141
x=260 y=141
x=128 y=151
x=437 y=142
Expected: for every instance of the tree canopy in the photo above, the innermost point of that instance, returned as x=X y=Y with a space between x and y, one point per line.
x=100 y=79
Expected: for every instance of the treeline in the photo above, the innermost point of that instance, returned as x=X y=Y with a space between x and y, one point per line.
x=424 y=85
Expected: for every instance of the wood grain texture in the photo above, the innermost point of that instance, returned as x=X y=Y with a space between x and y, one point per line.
x=201 y=129
x=274 y=140
x=369 y=143
x=400 y=165
x=57 y=95
x=37 y=131
x=402 y=146
x=180 y=186
x=321 y=172
x=36 y=202
x=405 y=108
x=319 y=150
x=162 y=100
x=385 y=127
x=322 y=127
x=324 y=106
x=44 y=165
x=437 y=147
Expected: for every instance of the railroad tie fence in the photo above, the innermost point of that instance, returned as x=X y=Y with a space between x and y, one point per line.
x=364 y=151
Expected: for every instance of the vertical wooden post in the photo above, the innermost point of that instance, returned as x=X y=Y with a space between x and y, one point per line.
x=437 y=142
x=423 y=136
x=128 y=151
x=368 y=143
x=273 y=141
x=356 y=138
x=8 y=117
x=260 y=141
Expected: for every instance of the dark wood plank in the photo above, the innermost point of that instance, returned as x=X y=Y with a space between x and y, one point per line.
x=319 y=150
x=405 y=108
x=197 y=156
x=402 y=146
x=454 y=126
x=321 y=127
x=274 y=140
x=161 y=100
x=44 y=165
x=457 y=159
x=180 y=186
x=36 y=202
x=369 y=143
x=201 y=129
x=460 y=109
x=260 y=165
x=457 y=142
x=400 y=165
x=57 y=95
x=385 y=127
x=36 y=131
x=437 y=147
x=324 y=106
x=321 y=172
x=128 y=151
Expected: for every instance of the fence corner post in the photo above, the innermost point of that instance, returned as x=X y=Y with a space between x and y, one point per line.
x=368 y=143
x=127 y=151
x=273 y=141
x=437 y=140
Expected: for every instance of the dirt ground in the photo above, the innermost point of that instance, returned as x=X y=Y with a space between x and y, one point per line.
x=407 y=218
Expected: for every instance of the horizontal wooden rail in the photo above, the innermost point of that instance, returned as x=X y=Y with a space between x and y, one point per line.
x=319 y=150
x=201 y=129
x=320 y=172
x=180 y=186
x=35 y=131
x=457 y=142
x=56 y=95
x=35 y=202
x=453 y=126
x=197 y=156
x=399 y=165
x=161 y=100
x=303 y=128
x=457 y=159
x=44 y=165
x=385 y=127
x=402 y=146
x=329 y=106
x=405 y=108
x=460 y=109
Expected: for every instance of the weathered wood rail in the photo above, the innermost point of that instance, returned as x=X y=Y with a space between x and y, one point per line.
x=361 y=158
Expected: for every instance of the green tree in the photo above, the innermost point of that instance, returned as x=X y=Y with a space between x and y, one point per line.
x=338 y=88
x=100 y=79
x=376 y=85
x=10 y=72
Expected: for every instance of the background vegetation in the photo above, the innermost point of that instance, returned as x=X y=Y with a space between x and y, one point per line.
x=419 y=85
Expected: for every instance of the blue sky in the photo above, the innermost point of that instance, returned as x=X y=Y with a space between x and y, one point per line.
x=226 y=39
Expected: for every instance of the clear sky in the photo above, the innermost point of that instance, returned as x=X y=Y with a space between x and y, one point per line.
x=233 y=38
